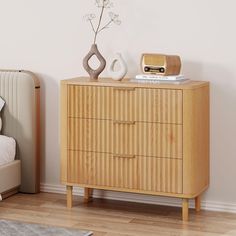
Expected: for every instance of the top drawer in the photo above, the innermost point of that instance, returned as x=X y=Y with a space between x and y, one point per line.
x=125 y=104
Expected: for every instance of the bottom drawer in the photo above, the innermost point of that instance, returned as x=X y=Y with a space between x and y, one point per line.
x=125 y=172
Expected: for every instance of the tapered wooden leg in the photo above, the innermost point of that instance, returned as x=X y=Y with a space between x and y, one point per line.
x=88 y=195
x=185 y=209
x=198 y=203
x=69 y=196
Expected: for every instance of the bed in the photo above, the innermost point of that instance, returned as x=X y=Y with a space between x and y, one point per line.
x=21 y=120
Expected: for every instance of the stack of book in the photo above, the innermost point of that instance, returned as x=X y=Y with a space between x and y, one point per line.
x=159 y=78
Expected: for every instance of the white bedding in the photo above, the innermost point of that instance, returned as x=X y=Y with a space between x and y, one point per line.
x=7 y=149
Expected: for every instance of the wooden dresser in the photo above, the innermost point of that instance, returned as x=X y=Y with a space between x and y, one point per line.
x=135 y=137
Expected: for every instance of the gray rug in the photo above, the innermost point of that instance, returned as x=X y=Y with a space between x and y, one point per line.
x=13 y=228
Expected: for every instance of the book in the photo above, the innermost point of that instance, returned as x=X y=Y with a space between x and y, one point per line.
x=160 y=77
x=156 y=81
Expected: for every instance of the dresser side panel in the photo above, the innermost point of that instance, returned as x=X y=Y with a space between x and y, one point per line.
x=63 y=132
x=195 y=140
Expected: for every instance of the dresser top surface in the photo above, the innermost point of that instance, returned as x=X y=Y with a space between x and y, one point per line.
x=108 y=82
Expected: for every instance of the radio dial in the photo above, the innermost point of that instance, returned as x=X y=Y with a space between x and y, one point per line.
x=162 y=70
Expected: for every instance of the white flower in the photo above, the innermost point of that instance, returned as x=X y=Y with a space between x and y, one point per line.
x=104 y=3
x=89 y=17
x=114 y=17
x=117 y=22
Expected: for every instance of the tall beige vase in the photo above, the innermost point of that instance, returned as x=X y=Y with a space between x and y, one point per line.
x=94 y=73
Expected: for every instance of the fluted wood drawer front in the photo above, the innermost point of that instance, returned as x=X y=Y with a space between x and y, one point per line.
x=90 y=102
x=160 y=174
x=148 y=139
x=130 y=172
x=125 y=103
x=147 y=105
x=90 y=135
x=126 y=138
x=102 y=169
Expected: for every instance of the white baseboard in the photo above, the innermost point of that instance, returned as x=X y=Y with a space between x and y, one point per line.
x=141 y=198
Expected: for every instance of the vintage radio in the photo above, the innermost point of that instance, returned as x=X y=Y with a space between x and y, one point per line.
x=160 y=64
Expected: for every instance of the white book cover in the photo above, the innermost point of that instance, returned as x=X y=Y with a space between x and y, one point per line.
x=160 y=77
x=156 y=81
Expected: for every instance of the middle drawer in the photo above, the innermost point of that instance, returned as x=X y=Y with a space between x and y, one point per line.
x=125 y=138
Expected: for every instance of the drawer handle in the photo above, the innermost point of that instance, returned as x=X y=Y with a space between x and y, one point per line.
x=124 y=88
x=124 y=156
x=120 y=122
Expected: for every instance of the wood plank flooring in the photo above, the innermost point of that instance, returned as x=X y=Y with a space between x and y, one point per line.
x=115 y=218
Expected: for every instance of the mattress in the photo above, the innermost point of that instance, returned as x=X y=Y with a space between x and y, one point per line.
x=7 y=149
x=10 y=176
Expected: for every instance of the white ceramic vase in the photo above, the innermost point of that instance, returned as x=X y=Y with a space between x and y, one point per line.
x=121 y=72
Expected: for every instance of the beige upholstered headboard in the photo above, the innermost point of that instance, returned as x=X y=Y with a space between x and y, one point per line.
x=21 y=119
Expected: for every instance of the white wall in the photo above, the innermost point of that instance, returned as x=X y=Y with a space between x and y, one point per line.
x=50 y=38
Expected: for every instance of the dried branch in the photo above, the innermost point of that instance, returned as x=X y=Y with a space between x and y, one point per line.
x=91 y=23
x=103 y=4
x=99 y=23
x=105 y=26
